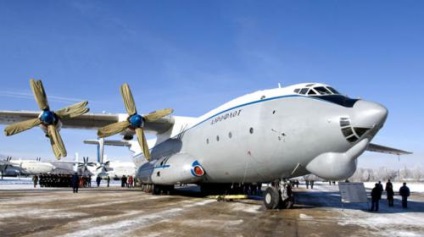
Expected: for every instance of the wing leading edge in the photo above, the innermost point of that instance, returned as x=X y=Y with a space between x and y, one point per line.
x=88 y=121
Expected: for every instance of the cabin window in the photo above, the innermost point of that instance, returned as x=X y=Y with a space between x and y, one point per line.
x=230 y=135
x=251 y=130
x=207 y=141
x=217 y=138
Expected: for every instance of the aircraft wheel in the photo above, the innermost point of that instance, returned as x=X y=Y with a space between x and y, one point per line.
x=271 y=198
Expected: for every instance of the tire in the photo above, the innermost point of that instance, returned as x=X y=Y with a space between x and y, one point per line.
x=271 y=198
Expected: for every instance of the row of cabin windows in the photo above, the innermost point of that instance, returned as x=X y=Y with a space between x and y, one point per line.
x=230 y=135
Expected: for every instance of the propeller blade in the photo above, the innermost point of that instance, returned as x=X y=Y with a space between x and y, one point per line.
x=56 y=150
x=112 y=129
x=56 y=142
x=21 y=126
x=143 y=143
x=39 y=94
x=128 y=99
x=155 y=115
x=72 y=111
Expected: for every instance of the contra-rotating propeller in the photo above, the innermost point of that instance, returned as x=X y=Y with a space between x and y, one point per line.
x=134 y=121
x=104 y=167
x=50 y=121
x=84 y=165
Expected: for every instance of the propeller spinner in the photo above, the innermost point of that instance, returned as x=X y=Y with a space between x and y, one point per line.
x=134 y=121
x=49 y=120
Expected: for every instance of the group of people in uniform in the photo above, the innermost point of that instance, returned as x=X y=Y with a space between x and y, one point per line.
x=377 y=192
x=59 y=180
x=66 y=180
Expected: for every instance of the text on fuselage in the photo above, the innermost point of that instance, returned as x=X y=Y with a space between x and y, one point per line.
x=225 y=116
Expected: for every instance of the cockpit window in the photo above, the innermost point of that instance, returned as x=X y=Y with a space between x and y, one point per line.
x=316 y=91
x=322 y=90
x=312 y=92
x=333 y=90
x=326 y=93
x=303 y=91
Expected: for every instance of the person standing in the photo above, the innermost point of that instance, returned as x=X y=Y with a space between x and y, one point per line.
x=108 y=181
x=123 y=181
x=380 y=188
x=98 y=179
x=130 y=181
x=404 y=192
x=390 y=193
x=75 y=182
x=89 y=181
x=375 y=198
x=35 y=180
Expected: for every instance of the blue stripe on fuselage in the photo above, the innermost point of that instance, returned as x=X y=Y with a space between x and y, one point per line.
x=259 y=101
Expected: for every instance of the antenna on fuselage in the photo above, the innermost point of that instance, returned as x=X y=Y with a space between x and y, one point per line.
x=279 y=85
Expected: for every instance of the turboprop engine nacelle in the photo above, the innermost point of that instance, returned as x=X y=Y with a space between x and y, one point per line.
x=181 y=168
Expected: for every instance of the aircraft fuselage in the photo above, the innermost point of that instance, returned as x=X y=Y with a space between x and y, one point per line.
x=268 y=135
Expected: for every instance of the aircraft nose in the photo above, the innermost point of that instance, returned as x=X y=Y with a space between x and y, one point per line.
x=369 y=114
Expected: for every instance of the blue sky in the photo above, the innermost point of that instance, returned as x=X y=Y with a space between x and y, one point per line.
x=195 y=55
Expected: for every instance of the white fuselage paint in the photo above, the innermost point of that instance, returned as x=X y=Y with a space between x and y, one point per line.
x=33 y=167
x=264 y=136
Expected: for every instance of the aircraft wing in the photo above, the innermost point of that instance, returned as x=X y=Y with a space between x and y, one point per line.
x=88 y=121
x=388 y=150
x=110 y=142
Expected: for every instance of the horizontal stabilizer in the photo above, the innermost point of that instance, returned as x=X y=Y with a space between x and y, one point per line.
x=388 y=150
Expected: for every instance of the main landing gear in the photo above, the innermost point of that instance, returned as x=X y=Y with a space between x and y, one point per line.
x=279 y=196
x=157 y=189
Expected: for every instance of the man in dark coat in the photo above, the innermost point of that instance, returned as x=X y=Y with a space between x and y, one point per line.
x=375 y=197
x=75 y=182
x=404 y=192
x=390 y=193
x=98 y=180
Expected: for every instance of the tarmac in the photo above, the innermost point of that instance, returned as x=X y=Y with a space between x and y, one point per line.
x=117 y=211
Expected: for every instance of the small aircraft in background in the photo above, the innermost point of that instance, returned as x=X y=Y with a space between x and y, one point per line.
x=113 y=169
x=27 y=167
x=267 y=135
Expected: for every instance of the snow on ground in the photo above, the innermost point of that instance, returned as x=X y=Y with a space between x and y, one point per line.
x=388 y=221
